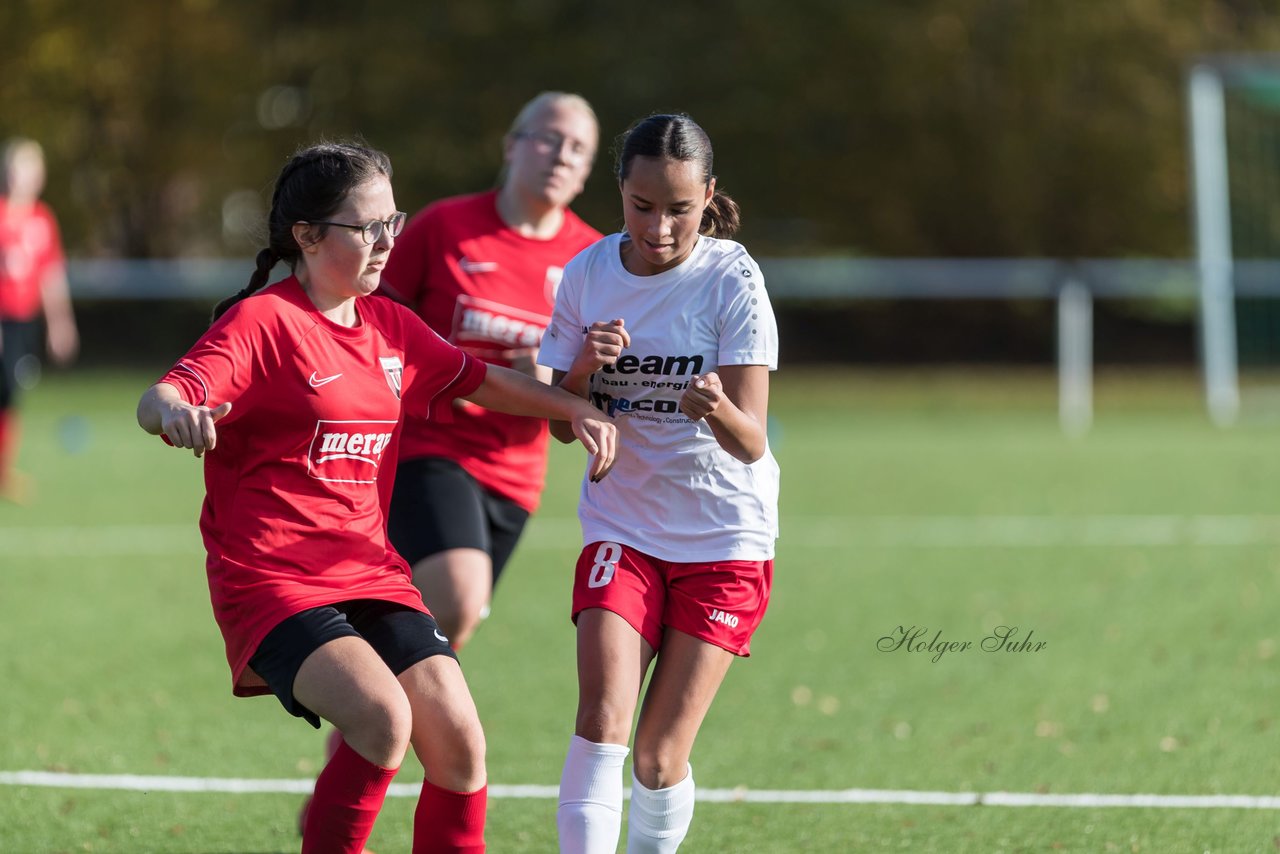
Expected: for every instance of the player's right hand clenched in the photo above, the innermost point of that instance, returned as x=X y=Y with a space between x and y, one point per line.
x=193 y=427
x=603 y=344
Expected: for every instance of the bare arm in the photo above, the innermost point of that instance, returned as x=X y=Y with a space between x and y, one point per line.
x=505 y=390
x=561 y=429
x=162 y=410
x=60 y=323
x=735 y=404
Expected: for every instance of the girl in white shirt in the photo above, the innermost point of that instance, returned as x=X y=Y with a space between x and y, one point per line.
x=667 y=327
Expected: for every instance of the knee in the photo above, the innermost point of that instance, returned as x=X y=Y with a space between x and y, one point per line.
x=658 y=766
x=381 y=731
x=470 y=761
x=469 y=743
x=604 y=722
x=459 y=763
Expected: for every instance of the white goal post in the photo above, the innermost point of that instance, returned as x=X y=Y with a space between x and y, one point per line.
x=1233 y=104
x=1214 y=256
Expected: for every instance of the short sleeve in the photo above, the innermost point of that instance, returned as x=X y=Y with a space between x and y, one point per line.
x=223 y=364
x=748 y=328
x=438 y=372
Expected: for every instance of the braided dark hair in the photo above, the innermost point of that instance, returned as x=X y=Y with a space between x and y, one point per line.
x=312 y=185
x=678 y=137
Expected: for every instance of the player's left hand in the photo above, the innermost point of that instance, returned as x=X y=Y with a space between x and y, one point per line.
x=599 y=436
x=703 y=396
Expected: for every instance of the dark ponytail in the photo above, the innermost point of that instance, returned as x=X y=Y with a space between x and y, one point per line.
x=720 y=218
x=312 y=185
x=267 y=259
x=678 y=137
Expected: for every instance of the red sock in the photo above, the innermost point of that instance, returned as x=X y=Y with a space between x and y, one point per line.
x=348 y=796
x=448 y=822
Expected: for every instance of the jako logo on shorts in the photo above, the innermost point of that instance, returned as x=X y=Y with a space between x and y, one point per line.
x=718 y=616
x=348 y=451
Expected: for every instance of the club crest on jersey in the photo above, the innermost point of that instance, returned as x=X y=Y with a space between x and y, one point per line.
x=348 y=451
x=393 y=370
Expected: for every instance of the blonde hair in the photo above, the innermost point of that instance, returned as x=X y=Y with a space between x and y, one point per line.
x=543 y=101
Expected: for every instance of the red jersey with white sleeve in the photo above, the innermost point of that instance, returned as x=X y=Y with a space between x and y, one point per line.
x=29 y=249
x=487 y=289
x=298 y=485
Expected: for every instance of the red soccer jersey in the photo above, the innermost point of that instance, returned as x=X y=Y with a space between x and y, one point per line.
x=487 y=289
x=29 y=249
x=298 y=485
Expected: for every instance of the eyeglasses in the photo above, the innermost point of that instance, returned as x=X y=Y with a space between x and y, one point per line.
x=547 y=141
x=372 y=231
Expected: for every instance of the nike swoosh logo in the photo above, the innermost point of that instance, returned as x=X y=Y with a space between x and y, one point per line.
x=441 y=637
x=316 y=381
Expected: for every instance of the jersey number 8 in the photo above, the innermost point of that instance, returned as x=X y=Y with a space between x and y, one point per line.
x=606 y=564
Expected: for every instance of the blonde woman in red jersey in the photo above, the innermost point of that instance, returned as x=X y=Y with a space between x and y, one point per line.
x=294 y=397
x=33 y=282
x=482 y=270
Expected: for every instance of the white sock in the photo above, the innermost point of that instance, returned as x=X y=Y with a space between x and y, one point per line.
x=590 y=813
x=659 y=818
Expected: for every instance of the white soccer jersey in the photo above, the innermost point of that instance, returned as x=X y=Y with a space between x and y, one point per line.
x=673 y=493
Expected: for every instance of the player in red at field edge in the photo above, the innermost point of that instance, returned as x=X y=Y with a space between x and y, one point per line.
x=483 y=270
x=293 y=397
x=667 y=327
x=33 y=281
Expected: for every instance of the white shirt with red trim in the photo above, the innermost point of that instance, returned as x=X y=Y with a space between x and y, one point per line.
x=673 y=492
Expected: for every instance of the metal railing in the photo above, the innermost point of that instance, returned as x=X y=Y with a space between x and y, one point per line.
x=1074 y=285
x=832 y=278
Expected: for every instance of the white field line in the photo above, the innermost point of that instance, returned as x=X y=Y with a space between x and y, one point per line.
x=130 y=782
x=943 y=532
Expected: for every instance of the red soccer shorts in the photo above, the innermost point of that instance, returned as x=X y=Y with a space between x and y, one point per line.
x=721 y=602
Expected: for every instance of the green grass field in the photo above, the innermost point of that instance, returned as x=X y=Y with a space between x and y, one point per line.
x=1143 y=556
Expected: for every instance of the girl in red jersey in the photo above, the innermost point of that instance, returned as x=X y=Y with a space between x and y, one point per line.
x=294 y=398
x=666 y=326
x=482 y=270
x=33 y=282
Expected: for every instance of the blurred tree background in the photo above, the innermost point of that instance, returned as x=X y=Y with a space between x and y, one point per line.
x=934 y=128
x=916 y=127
